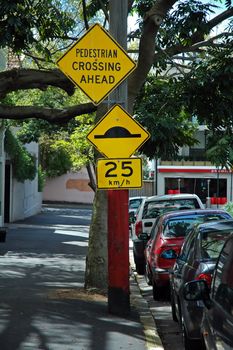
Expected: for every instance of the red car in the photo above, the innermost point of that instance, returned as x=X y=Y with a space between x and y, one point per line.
x=166 y=239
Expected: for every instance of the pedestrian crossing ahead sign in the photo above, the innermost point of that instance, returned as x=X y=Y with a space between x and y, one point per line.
x=96 y=63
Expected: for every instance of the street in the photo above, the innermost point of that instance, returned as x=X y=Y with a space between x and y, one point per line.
x=43 y=303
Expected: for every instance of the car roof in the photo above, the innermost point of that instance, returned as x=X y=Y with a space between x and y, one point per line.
x=137 y=197
x=193 y=212
x=172 y=196
x=221 y=225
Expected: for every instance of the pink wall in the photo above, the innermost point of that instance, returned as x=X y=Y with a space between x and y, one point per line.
x=71 y=187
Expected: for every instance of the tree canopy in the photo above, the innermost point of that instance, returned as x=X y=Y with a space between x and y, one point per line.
x=183 y=46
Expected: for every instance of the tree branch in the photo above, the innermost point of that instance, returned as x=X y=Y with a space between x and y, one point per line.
x=85 y=14
x=52 y=115
x=152 y=22
x=25 y=79
x=220 y=18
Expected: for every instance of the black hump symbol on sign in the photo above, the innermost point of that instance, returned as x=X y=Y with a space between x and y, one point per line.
x=116 y=132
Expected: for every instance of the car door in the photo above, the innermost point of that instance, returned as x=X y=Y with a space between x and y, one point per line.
x=218 y=318
x=176 y=275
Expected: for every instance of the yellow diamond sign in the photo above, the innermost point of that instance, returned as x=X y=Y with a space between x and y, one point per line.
x=117 y=134
x=96 y=63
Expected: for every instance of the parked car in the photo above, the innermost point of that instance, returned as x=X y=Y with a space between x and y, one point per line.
x=196 y=261
x=217 y=322
x=134 y=204
x=167 y=237
x=146 y=215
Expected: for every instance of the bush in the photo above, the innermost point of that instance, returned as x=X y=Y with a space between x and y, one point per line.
x=23 y=162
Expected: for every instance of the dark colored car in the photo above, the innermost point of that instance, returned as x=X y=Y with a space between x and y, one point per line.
x=147 y=214
x=196 y=261
x=217 y=322
x=167 y=237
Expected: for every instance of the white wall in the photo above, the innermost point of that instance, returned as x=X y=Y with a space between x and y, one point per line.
x=71 y=188
x=25 y=198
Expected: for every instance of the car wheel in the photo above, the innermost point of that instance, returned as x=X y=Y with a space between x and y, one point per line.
x=173 y=307
x=190 y=344
x=148 y=275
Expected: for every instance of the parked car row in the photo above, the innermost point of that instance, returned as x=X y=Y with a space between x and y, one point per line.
x=216 y=327
x=146 y=215
x=179 y=248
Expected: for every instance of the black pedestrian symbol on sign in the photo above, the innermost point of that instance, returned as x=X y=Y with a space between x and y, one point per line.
x=117 y=132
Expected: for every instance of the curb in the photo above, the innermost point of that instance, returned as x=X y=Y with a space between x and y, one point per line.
x=153 y=341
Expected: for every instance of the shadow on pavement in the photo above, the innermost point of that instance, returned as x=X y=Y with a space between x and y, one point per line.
x=43 y=305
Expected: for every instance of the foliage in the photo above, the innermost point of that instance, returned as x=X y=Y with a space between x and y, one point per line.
x=220 y=149
x=24 y=164
x=83 y=151
x=208 y=87
x=207 y=93
x=55 y=155
x=159 y=109
x=55 y=160
x=63 y=151
x=41 y=178
x=170 y=104
x=25 y=23
x=183 y=22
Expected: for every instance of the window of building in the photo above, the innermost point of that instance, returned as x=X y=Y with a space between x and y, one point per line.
x=200 y=186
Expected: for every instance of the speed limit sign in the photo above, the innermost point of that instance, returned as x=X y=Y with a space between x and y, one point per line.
x=119 y=173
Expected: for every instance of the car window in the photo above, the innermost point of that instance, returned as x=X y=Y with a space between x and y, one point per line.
x=181 y=226
x=135 y=203
x=212 y=242
x=185 y=247
x=188 y=245
x=178 y=227
x=223 y=279
x=154 y=229
x=154 y=208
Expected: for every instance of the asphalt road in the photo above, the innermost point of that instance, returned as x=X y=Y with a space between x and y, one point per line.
x=42 y=302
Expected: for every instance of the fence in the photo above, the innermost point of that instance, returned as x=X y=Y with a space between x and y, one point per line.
x=147 y=190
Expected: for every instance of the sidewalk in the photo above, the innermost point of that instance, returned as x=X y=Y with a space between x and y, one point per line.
x=137 y=287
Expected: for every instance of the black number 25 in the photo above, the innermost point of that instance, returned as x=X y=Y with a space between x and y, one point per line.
x=125 y=167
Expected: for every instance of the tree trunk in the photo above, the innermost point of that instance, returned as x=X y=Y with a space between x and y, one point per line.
x=97 y=260
x=96 y=275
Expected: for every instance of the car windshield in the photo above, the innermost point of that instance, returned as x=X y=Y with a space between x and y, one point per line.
x=154 y=208
x=212 y=243
x=135 y=203
x=182 y=225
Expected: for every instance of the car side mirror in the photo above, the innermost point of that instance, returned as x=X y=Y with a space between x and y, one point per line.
x=197 y=290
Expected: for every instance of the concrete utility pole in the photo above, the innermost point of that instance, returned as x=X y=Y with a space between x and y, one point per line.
x=118 y=220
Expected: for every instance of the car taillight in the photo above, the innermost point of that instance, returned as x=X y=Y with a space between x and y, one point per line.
x=168 y=254
x=138 y=228
x=205 y=276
